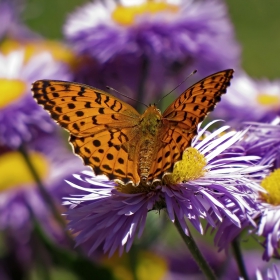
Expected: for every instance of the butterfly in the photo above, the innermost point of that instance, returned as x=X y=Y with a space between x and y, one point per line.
x=115 y=140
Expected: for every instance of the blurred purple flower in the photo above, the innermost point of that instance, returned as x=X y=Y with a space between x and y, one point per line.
x=20 y=116
x=273 y=273
x=110 y=215
x=21 y=201
x=250 y=100
x=19 y=195
x=146 y=44
x=182 y=265
x=10 y=22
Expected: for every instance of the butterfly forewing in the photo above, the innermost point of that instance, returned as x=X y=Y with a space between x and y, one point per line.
x=201 y=98
x=81 y=109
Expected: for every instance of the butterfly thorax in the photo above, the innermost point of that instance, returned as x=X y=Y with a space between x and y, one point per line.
x=151 y=124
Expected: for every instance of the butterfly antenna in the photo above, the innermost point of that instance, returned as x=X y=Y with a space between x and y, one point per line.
x=177 y=86
x=110 y=88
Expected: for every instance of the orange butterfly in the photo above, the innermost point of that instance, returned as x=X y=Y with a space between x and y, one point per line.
x=115 y=140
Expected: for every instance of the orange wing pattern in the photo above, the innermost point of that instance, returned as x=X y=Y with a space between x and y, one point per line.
x=113 y=138
x=101 y=126
x=183 y=116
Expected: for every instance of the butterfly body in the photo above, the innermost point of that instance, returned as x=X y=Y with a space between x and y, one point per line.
x=115 y=140
x=152 y=128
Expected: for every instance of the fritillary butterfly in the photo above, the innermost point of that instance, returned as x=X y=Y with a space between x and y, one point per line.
x=115 y=140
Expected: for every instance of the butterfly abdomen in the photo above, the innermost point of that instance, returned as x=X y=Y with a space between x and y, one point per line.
x=146 y=157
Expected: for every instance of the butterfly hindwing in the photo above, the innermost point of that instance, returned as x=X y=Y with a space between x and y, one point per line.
x=108 y=153
x=173 y=143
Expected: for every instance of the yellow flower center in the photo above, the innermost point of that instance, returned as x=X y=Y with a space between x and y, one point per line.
x=191 y=167
x=11 y=90
x=126 y=15
x=15 y=173
x=58 y=50
x=272 y=185
x=268 y=100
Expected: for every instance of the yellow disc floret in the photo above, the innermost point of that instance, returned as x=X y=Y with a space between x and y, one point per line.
x=59 y=51
x=14 y=171
x=272 y=185
x=191 y=167
x=268 y=100
x=10 y=91
x=126 y=15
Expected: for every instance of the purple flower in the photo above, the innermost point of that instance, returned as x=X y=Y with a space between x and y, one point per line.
x=10 y=23
x=269 y=215
x=19 y=195
x=250 y=100
x=149 y=43
x=261 y=140
x=273 y=273
x=21 y=201
x=207 y=179
x=21 y=118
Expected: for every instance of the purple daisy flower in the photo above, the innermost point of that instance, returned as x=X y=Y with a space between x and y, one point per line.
x=125 y=44
x=250 y=100
x=206 y=179
x=262 y=140
x=269 y=215
x=20 y=116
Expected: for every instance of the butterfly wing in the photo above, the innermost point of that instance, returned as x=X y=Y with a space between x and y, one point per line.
x=183 y=116
x=101 y=126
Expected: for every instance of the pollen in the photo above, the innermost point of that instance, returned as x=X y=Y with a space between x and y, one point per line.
x=272 y=185
x=268 y=100
x=10 y=91
x=15 y=173
x=191 y=167
x=126 y=15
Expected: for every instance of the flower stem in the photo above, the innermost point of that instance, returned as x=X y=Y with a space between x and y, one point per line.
x=143 y=79
x=133 y=256
x=46 y=196
x=239 y=259
x=195 y=252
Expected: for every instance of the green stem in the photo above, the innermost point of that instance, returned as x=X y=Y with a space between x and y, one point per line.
x=195 y=252
x=46 y=196
x=239 y=259
x=133 y=257
x=143 y=78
